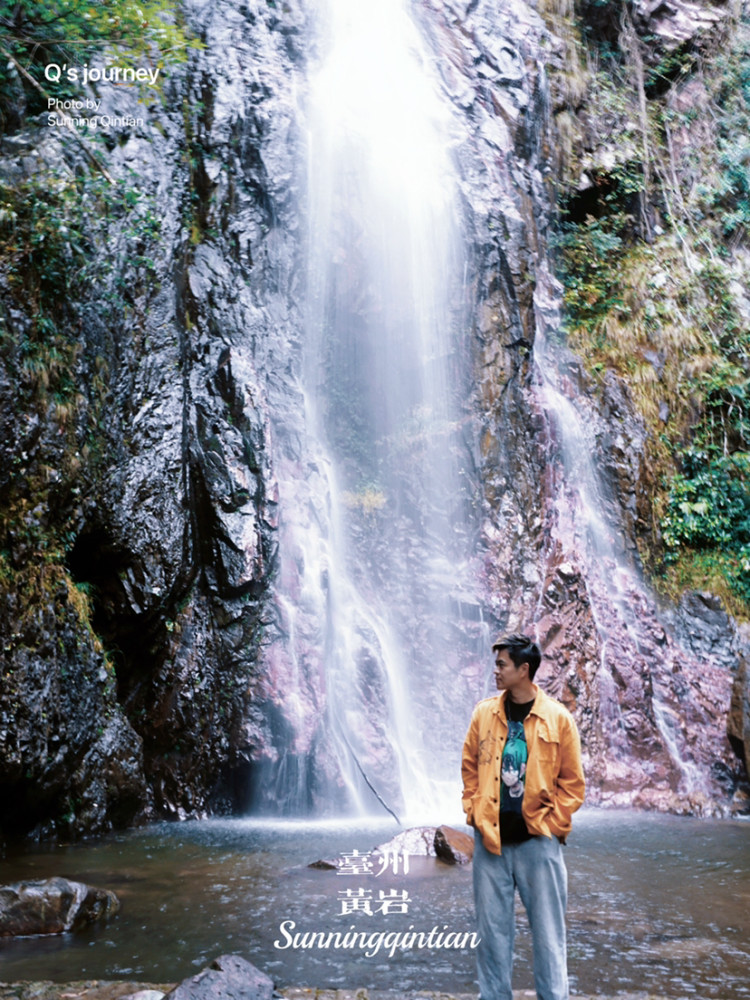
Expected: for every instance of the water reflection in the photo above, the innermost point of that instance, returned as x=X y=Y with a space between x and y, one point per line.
x=658 y=904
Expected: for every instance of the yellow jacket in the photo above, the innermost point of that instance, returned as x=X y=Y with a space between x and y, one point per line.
x=554 y=776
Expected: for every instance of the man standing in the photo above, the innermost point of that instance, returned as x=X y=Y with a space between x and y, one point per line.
x=523 y=781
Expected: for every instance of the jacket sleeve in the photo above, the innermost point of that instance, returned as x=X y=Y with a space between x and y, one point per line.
x=570 y=785
x=470 y=768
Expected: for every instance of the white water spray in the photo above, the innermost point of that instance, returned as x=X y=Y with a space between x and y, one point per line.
x=373 y=510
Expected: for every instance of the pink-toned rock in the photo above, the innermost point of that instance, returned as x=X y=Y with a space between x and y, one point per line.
x=675 y=23
x=452 y=846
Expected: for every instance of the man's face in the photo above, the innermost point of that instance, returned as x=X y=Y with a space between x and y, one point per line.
x=507 y=674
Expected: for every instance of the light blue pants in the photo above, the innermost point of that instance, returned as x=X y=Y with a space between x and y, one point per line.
x=536 y=867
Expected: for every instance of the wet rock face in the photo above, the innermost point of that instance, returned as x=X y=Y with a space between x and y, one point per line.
x=678 y=22
x=738 y=724
x=67 y=749
x=131 y=651
x=196 y=521
x=667 y=26
x=565 y=485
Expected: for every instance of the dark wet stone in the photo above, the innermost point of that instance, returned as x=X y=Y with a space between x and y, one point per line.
x=227 y=976
x=169 y=529
x=738 y=724
x=52 y=906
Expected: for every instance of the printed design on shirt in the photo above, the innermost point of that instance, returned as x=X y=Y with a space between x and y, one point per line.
x=487 y=749
x=515 y=757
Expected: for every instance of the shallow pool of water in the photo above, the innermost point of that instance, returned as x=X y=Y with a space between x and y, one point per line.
x=657 y=904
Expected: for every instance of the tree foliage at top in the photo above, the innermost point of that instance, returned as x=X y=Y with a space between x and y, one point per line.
x=35 y=33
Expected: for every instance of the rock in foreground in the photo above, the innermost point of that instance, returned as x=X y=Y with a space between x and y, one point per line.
x=227 y=976
x=52 y=907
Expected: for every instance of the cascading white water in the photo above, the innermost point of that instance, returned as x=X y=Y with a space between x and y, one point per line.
x=372 y=689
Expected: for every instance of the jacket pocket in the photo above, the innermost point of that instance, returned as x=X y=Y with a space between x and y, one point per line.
x=481 y=810
x=548 y=748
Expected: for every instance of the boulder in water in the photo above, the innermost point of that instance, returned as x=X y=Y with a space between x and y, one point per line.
x=326 y=864
x=452 y=846
x=419 y=840
x=52 y=906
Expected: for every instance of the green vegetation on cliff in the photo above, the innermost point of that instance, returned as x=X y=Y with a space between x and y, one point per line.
x=53 y=219
x=35 y=34
x=50 y=224
x=652 y=249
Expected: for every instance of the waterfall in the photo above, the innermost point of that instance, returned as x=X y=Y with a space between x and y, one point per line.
x=372 y=663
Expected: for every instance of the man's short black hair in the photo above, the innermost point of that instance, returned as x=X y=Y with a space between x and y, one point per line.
x=521 y=649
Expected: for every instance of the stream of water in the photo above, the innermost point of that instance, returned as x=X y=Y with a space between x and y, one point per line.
x=374 y=557
x=658 y=905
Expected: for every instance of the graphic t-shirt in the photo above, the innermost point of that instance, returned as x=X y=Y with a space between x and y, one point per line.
x=513 y=774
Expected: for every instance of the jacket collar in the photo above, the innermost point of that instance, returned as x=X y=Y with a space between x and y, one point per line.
x=536 y=709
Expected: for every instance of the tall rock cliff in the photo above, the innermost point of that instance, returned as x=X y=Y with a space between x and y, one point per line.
x=137 y=500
